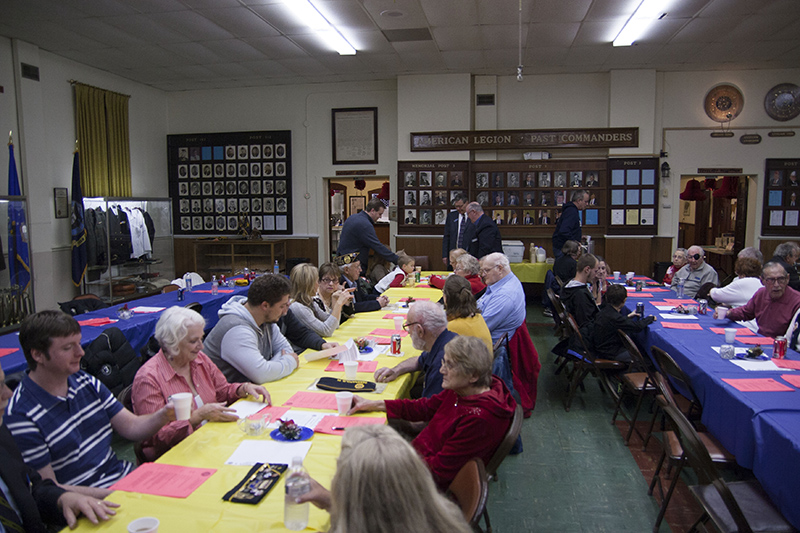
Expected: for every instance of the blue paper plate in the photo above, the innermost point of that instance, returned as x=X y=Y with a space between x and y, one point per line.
x=305 y=434
x=368 y=349
x=762 y=357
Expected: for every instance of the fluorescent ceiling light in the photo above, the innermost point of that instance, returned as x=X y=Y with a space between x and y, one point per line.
x=647 y=12
x=311 y=17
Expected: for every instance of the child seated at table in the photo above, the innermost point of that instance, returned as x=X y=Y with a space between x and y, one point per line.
x=398 y=276
x=607 y=342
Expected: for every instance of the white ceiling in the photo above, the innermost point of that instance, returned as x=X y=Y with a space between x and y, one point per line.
x=200 y=44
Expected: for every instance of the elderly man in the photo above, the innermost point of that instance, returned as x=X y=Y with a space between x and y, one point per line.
x=61 y=417
x=695 y=273
x=576 y=296
x=568 y=225
x=358 y=234
x=786 y=255
x=426 y=323
x=752 y=252
x=486 y=237
x=503 y=303
x=365 y=297
x=773 y=306
x=246 y=344
x=458 y=230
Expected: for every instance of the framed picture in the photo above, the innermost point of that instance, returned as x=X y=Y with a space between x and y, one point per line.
x=357 y=203
x=355 y=135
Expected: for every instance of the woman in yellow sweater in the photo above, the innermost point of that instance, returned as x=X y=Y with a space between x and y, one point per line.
x=463 y=315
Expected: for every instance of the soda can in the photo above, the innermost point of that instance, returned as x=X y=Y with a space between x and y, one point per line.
x=181 y=292
x=640 y=309
x=702 y=306
x=779 y=348
x=396 y=344
x=639 y=286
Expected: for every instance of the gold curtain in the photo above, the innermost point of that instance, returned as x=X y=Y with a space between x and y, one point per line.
x=103 y=140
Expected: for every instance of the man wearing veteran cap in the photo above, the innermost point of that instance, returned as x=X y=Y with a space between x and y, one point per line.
x=358 y=235
x=366 y=298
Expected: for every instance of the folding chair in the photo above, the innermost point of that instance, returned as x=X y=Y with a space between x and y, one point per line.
x=641 y=384
x=470 y=489
x=562 y=332
x=125 y=397
x=506 y=444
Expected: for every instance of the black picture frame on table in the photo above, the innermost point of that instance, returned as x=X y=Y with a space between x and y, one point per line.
x=354 y=135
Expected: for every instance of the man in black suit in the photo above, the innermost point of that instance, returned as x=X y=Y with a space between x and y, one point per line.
x=487 y=237
x=455 y=220
x=37 y=502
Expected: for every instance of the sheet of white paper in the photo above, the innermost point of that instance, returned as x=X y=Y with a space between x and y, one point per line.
x=368 y=356
x=350 y=353
x=146 y=309
x=245 y=408
x=266 y=450
x=736 y=350
x=309 y=419
x=754 y=364
x=665 y=307
x=677 y=316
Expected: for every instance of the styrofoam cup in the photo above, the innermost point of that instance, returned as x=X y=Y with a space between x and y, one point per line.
x=730 y=335
x=398 y=323
x=616 y=275
x=350 y=369
x=630 y=275
x=147 y=524
x=344 y=400
x=722 y=312
x=183 y=405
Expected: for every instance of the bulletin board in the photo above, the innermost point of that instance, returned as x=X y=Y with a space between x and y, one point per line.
x=781 y=203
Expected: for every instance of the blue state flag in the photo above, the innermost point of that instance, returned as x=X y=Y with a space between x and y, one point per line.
x=78 y=227
x=18 y=254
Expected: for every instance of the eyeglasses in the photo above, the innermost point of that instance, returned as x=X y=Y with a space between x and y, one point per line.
x=327 y=280
x=407 y=324
x=447 y=365
x=773 y=281
x=486 y=270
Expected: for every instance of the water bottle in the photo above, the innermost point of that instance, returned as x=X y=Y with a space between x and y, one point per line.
x=214 y=286
x=246 y=274
x=277 y=268
x=681 y=283
x=187 y=280
x=295 y=515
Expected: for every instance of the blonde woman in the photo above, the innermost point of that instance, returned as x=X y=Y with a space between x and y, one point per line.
x=463 y=315
x=382 y=486
x=305 y=284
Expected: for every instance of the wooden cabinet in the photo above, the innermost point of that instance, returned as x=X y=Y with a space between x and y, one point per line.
x=215 y=257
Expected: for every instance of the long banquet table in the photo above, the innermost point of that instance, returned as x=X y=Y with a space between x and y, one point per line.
x=212 y=444
x=762 y=429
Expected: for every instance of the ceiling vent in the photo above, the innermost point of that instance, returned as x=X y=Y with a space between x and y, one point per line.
x=29 y=71
x=484 y=99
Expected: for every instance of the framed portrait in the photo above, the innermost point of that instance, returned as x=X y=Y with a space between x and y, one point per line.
x=357 y=203
x=354 y=135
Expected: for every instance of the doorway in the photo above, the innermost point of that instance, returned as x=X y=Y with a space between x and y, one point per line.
x=347 y=199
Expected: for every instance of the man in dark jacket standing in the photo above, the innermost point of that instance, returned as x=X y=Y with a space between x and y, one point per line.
x=358 y=235
x=486 y=238
x=458 y=230
x=568 y=226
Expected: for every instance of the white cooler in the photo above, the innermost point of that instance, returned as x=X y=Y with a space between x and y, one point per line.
x=514 y=251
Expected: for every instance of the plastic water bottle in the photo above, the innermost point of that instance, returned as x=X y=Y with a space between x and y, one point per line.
x=681 y=284
x=187 y=280
x=277 y=268
x=214 y=286
x=295 y=515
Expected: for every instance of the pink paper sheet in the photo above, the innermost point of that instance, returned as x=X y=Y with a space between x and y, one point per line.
x=639 y=295
x=763 y=341
x=273 y=411
x=675 y=301
x=96 y=321
x=363 y=366
x=787 y=363
x=164 y=480
x=415 y=299
x=221 y=291
x=682 y=325
x=392 y=316
x=386 y=332
x=656 y=289
x=421 y=286
x=757 y=385
x=794 y=379
x=739 y=331
x=327 y=424
x=7 y=351
x=312 y=400
x=379 y=340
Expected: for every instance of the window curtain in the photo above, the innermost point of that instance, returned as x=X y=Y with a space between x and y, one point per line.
x=103 y=141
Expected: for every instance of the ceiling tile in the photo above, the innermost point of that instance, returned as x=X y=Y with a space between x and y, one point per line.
x=612 y=9
x=559 y=10
x=599 y=32
x=588 y=55
x=757 y=27
x=194 y=53
x=146 y=28
x=267 y=68
x=193 y=25
x=489 y=14
x=229 y=70
x=278 y=16
x=98 y=30
x=153 y=6
x=676 y=53
x=211 y=4
x=240 y=22
x=345 y=15
x=505 y=36
x=458 y=37
x=305 y=66
x=464 y=60
x=732 y=8
x=234 y=50
x=276 y=47
x=413 y=14
x=370 y=42
x=551 y=34
x=703 y=30
x=98 y=8
x=459 y=13
x=384 y=63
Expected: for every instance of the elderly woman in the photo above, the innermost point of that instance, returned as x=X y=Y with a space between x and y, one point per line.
x=739 y=291
x=463 y=315
x=181 y=366
x=305 y=284
x=467 y=419
x=381 y=485
x=679 y=258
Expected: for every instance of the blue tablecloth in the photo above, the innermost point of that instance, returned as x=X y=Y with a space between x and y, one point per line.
x=762 y=429
x=138 y=329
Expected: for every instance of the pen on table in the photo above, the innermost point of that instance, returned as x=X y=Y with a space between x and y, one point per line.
x=338 y=428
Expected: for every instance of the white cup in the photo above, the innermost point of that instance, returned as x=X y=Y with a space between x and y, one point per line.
x=350 y=369
x=344 y=400
x=722 y=312
x=616 y=275
x=148 y=524
x=730 y=335
x=398 y=323
x=630 y=275
x=183 y=407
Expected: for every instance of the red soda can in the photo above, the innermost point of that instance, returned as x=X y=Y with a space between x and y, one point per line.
x=222 y=279
x=779 y=348
x=396 y=344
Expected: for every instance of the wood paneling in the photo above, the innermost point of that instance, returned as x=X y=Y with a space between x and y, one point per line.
x=184 y=252
x=637 y=255
x=307 y=247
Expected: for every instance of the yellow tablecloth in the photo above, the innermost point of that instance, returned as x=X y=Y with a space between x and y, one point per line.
x=528 y=272
x=211 y=445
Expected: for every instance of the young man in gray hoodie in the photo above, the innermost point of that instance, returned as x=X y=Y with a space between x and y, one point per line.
x=246 y=343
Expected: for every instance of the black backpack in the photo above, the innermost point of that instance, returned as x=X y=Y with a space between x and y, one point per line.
x=111 y=359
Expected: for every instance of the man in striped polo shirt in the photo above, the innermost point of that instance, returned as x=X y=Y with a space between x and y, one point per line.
x=62 y=418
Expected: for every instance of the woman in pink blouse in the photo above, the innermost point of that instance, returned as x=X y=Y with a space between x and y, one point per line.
x=181 y=366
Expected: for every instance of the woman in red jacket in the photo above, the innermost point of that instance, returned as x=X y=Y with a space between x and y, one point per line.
x=469 y=418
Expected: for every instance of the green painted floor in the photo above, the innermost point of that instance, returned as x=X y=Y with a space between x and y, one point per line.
x=575 y=474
